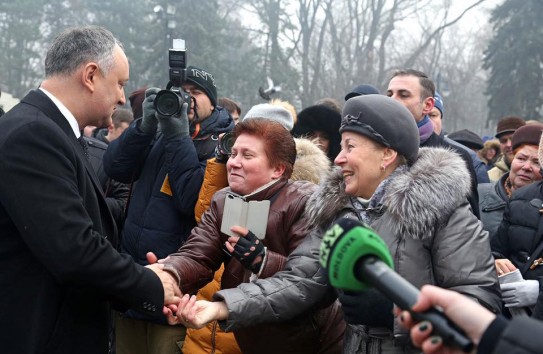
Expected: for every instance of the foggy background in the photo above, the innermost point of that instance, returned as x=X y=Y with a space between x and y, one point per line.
x=486 y=56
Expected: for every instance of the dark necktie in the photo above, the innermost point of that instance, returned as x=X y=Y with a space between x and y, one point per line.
x=84 y=146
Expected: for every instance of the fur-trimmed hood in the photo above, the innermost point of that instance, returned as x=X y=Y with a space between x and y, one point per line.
x=311 y=164
x=418 y=202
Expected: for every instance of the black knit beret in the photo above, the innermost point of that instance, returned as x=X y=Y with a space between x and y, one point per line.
x=383 y=120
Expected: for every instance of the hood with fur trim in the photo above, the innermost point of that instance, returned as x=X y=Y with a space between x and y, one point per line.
x=418 y=202
x=311 y=164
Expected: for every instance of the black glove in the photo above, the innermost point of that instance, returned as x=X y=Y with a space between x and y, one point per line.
x=368 y=307
x=219 y=156
x=247 y=250
x=224 y=147
x=149 y=121
x=175 y=126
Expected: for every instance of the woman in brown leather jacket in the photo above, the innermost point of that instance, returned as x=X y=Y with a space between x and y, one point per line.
x=262 y=161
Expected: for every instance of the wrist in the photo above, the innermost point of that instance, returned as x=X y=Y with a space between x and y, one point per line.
x=222 y=311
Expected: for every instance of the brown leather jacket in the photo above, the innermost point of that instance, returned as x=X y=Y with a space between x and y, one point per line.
x=202 y=254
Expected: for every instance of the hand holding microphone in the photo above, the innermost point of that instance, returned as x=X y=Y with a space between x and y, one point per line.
x=356 y=259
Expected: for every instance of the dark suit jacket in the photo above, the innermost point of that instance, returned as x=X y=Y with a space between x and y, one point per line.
x=58 y=268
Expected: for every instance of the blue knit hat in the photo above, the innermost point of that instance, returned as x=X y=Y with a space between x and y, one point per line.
x=362 y=90
x=439 y=103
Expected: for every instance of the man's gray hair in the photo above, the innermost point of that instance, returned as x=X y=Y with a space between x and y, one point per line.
x=80 y=45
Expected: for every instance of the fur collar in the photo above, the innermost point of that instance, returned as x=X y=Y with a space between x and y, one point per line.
x=417 y=202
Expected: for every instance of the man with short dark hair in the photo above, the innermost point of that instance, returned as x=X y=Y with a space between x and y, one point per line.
x=416 y=92
x=232 y=107
x=59 y=266
x=167 y=156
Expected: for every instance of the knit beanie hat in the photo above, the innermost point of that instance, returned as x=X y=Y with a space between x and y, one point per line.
x=362 y=90
x=271 y=112
x=467 y=138
x=439 y=104
x=383 y=120
x=527 y=135
x=203 y=80
x=509 y=125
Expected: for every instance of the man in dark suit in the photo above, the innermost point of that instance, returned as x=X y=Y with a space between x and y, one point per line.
x=59 y=267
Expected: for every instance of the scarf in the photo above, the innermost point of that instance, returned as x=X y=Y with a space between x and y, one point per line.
x=426 y=128
x=369 y=211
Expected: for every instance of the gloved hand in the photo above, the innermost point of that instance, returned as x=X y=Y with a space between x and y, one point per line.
x=220 y=155
x=247 y=250
x=149 y=121
x=173 y=126
x=521 y=293
x=367 y=307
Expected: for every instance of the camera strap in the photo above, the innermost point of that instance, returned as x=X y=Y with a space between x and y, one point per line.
x=196 y=131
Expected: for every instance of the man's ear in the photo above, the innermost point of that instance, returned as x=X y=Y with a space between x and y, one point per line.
x=89 y=75
x=428 y=105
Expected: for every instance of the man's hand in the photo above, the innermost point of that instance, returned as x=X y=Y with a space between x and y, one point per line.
x=149 y=121
x=172 y=294
x=196 y=314
x=175 y=126
x=171 y=307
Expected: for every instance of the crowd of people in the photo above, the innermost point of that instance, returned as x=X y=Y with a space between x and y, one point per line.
x=133 y=232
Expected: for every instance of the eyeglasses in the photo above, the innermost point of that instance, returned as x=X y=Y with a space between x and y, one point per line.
x=505 y=139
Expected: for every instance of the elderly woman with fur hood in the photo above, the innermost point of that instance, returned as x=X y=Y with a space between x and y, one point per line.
x=415 y=199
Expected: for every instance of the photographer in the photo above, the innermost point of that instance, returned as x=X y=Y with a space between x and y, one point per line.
x=166 y=155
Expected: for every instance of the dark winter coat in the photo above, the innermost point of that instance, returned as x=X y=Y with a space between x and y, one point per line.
x=59 y=268
x=473 y=197
x=492 y=201
x=521 y=230
x=116 y=193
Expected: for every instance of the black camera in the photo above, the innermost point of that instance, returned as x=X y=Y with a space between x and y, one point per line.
x=226 y=141
x=169 y=102
x=223 y=150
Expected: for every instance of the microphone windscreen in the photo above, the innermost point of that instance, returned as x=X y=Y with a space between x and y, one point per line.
x=343 y=245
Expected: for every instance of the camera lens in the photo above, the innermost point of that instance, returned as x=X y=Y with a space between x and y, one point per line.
x=226 y=142
x=167 y=103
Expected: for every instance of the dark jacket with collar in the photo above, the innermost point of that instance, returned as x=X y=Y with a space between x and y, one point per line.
x=473 y=197
x=521 y=230
x=58 y=265
x=492 y=201
x=115 y=192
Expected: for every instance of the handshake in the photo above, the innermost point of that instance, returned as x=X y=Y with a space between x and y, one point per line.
x=184 y=309
x=170 y=126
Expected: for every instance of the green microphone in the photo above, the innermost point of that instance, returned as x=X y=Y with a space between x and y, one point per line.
x=356 y=258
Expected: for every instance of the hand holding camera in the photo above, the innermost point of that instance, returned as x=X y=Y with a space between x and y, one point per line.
x=174 y=126
x=149 y=121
